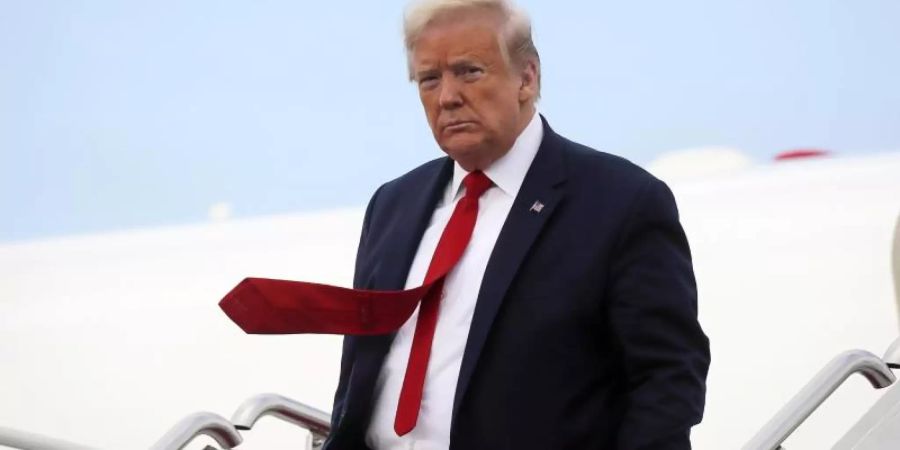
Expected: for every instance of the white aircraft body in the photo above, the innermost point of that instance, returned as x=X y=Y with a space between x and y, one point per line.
x=108 y=340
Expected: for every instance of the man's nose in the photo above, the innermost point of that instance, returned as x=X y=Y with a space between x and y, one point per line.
x=451 y=97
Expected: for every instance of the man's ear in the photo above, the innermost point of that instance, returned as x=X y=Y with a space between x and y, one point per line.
x=528 y=91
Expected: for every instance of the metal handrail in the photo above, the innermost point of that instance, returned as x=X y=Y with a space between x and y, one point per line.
x=194 y=425
x=29 y=441
x=316 y=421
x=799 y=408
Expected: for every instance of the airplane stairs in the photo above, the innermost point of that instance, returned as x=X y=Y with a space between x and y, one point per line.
x=225 y=432
x=878 y=429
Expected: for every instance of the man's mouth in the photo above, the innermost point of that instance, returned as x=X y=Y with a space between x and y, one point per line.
x=453 y=127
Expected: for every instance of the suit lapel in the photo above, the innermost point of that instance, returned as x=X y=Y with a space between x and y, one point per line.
x=409 y=226
x=394 y=263
x=542 y=186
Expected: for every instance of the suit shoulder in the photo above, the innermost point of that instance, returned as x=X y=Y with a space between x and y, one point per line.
x=591 y=165
x=400 y=191
x=414 y=179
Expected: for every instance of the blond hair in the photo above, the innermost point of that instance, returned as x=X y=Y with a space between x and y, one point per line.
x=516 y=44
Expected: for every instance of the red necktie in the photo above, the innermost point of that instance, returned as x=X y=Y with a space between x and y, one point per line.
x=456 y=236
x=263 y=306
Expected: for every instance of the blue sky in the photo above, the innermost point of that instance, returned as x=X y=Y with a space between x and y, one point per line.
x=130 y=114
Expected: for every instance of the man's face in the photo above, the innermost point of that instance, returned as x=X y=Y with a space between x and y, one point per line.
x=475 y=103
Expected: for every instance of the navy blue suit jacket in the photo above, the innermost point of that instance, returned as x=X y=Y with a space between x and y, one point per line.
x=585 y=332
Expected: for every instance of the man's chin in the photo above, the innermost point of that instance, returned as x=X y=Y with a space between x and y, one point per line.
x=470 y=158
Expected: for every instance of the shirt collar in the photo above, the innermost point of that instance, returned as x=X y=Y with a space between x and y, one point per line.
x=508 y=172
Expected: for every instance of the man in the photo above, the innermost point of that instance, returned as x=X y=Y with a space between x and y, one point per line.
x=570 y=320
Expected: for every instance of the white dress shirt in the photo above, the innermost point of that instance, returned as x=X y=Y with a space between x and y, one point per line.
x=432 y=431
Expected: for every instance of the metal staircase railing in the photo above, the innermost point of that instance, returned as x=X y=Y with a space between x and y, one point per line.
x=197 y=424
x=225 y=433
x=877 y=371
x=317 y=422
x=799 y=408
x=878 y=428
x=185 y=431
x=30 y=441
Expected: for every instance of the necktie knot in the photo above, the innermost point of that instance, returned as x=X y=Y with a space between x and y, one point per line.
x=476 y=183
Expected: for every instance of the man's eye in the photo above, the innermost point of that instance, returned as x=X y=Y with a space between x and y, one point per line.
x=472 y=72
x=427 y=82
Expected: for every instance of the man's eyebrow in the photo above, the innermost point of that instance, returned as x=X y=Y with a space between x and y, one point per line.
x=426 y=72
x=461 y=63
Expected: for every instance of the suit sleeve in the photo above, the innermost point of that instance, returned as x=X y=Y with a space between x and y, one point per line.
x=337 y=411
x=653 y=318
